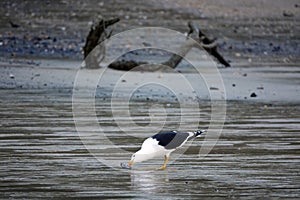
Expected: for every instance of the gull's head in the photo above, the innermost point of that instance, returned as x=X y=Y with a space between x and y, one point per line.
x=140 y=156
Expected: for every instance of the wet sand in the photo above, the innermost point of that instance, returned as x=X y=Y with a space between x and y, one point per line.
x=42 y=154
x=266 y=82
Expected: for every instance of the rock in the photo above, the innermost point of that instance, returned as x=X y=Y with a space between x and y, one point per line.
x=253 y=94
x=13 y=25
x=287 y=14
x=146 y=44
x=213 y=88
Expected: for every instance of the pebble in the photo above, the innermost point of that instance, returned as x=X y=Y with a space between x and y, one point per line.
x=237 y=54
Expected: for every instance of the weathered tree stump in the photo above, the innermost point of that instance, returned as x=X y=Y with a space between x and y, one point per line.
x=97 y=35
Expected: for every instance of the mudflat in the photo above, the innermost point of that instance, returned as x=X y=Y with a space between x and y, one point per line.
x=43 y=153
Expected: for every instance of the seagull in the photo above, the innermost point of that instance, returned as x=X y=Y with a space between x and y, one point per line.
x=161 y=144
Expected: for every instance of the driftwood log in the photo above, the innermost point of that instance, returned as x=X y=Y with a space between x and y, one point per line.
x=207 y=44
x=125 y=65
x=98 y=34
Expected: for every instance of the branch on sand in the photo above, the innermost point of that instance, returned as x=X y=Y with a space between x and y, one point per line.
x=207 y=44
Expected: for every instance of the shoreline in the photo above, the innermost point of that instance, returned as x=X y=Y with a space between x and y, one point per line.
x=264 y=84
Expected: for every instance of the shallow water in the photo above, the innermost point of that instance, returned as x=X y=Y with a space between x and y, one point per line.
x=42 y=155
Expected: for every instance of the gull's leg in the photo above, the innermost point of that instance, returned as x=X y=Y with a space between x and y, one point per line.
x=165 y=163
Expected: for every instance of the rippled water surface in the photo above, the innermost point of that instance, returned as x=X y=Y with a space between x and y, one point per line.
x=42 y=154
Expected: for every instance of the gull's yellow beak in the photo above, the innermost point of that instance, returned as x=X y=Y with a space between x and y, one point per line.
x=130 y=163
